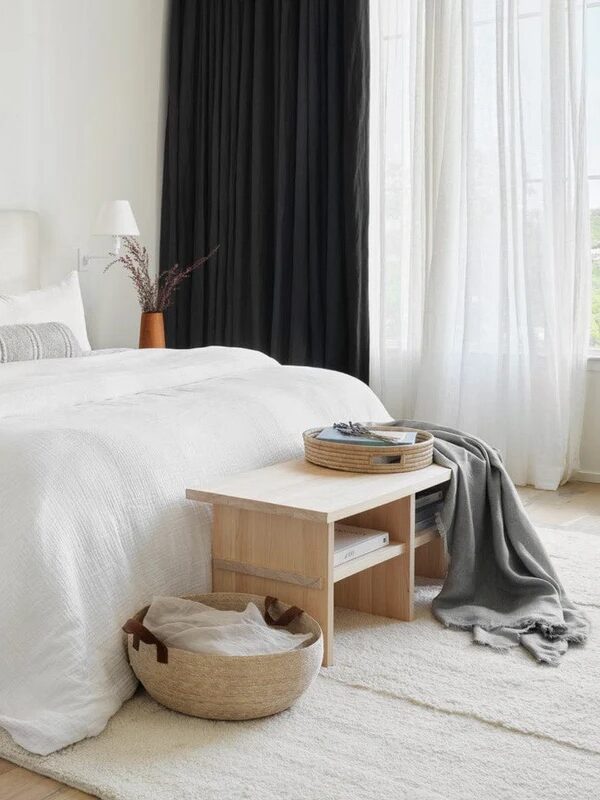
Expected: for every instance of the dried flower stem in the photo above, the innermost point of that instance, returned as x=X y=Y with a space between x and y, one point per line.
x=153 y=294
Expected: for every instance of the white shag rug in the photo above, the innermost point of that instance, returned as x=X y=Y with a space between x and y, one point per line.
x=410 y=710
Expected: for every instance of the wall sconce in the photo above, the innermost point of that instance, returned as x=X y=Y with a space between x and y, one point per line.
x=115 y=219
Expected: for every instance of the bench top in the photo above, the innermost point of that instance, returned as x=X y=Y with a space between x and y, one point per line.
x=305 y=491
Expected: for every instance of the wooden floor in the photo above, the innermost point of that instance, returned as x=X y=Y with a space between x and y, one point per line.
x=20 y=784
x=574 y=507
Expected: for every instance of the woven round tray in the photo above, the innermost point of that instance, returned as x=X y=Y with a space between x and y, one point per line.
x=361 y=458
x=226 y=687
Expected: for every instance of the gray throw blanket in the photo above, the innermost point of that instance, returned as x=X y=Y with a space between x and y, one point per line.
x=500 y=583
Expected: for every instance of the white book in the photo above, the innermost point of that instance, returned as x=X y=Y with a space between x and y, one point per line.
x=351 y=541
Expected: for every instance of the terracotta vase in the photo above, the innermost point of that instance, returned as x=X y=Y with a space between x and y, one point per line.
x=152 y=329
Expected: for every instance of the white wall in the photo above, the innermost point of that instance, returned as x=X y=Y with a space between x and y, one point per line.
x=82 y=114
x=18 y=107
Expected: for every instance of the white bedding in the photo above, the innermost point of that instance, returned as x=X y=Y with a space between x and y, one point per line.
x=95 y=456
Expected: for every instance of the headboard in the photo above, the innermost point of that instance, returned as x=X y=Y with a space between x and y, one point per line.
x=19 y=252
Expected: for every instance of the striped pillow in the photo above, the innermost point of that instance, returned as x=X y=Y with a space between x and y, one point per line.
x=31 y=342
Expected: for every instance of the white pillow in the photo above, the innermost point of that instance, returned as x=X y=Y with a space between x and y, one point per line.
x=58 y=303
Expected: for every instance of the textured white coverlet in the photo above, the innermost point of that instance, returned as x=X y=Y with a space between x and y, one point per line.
x=95 y=456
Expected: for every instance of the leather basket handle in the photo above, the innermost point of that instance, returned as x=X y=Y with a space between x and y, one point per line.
x=285 y=618
x=139 y=631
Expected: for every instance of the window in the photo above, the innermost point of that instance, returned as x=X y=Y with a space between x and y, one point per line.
x=593 y=156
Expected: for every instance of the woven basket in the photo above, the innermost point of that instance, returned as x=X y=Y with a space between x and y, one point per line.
x=362 y=458
x=225 y=687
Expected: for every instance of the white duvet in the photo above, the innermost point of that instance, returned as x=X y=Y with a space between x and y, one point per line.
x=95 y=457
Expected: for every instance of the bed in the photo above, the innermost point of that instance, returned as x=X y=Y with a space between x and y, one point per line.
x=95 y=455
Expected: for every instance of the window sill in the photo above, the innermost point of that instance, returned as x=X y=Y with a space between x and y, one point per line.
x=593 y=362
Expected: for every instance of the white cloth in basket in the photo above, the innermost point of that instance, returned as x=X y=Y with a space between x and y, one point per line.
x=189 y=625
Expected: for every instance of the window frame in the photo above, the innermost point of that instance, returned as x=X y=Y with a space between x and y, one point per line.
x=593 y=351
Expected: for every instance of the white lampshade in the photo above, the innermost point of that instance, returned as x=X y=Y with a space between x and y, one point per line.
x=115 y=218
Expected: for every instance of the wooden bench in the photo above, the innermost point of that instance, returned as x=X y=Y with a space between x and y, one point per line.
x=273 y=534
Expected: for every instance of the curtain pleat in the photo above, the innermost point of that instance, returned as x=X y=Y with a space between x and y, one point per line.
x=266 y=156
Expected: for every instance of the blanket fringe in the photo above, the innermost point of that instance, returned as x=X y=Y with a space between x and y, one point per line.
x=528 y=625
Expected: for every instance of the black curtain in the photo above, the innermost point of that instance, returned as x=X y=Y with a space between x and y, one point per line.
x=266 y=155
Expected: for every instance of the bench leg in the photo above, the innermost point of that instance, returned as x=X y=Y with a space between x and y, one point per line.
x=272 y=554
x=386 y=589
x=431 y=559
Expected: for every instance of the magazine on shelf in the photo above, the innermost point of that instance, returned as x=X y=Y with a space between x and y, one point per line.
x=351 y=542
x=424 y=524
x=428 y=512
x=427 y=497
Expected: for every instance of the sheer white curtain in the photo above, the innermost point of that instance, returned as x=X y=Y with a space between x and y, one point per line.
x=479 y=224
